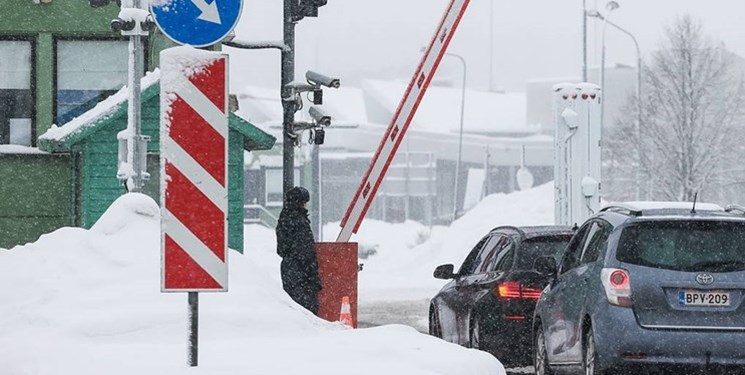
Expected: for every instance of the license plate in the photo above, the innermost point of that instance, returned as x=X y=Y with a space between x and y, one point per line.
x=704 y=298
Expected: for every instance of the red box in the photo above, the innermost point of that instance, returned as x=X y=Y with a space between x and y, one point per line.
x=337 y=267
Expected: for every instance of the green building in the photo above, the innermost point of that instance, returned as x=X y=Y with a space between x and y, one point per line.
x=58 y=60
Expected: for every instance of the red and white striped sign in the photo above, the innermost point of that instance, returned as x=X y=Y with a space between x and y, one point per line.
x=402 y=119
x=194 y=178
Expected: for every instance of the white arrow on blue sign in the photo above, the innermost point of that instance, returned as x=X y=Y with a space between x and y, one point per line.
x=196 y=23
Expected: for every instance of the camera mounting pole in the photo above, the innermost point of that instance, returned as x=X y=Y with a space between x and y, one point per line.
x=288 y=102
x=134 y=21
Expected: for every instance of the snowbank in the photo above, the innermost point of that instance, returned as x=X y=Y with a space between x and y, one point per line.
x=88 y=302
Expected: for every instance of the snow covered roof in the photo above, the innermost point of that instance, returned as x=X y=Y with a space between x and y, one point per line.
x=104 y=109
x=490 y=113
x=60 y=138
x=355 y=129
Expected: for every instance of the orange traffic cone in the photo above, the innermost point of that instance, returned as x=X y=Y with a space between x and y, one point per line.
x=345 y=317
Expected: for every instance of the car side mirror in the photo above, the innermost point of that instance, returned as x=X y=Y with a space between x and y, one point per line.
x=445 y=272
x=546 y=266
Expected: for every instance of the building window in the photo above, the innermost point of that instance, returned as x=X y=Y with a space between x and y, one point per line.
x=87 y=72
x=16 y=92
x=274 y=192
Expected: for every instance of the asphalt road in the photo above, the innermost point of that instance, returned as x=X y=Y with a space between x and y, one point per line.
x=410 y=313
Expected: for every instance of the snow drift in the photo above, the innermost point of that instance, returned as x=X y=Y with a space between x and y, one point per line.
x=88 y=302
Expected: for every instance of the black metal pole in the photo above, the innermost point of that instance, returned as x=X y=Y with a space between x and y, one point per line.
x=315 y=197
x=193 y=329
x=288 y=102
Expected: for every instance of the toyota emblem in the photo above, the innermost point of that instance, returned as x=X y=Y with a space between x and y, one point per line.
x=705 y=279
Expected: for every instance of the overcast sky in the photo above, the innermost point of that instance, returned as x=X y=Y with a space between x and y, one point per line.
x=356 y=39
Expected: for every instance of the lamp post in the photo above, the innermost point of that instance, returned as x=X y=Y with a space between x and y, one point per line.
x=491 y=45
x=611 y=6
x=637 y=127
x=584 y=40
x=460 y=132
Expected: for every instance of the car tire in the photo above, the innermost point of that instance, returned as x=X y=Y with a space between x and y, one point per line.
x=589 y=354
x=434 y=323
x=541 y=364
x=474 y=332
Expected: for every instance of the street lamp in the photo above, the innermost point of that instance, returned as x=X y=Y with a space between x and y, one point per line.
x=584 y=40
x=460 y=133
x=596 y=14
x=611 y=6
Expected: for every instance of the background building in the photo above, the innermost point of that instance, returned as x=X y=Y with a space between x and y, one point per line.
x=421 y=181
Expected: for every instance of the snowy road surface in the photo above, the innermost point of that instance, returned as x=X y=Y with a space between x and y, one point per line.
x=411 y=313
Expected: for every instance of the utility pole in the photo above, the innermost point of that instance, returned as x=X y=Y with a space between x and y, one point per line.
x=288 y=98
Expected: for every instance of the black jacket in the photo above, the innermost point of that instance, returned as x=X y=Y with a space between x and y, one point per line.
x=296 y=246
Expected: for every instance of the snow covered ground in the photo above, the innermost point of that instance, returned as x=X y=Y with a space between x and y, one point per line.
x=88 y=302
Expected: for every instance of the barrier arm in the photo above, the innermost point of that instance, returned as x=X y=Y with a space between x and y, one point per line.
x=402 y=119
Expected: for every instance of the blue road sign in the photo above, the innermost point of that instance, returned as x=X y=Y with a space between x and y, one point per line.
x=196 y=23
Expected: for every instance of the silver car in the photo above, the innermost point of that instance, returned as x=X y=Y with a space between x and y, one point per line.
x=646 y=286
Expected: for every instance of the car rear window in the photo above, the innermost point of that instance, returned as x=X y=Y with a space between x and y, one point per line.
x=535 y=248
x=690 y=246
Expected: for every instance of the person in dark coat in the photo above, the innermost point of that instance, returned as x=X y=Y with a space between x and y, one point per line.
x=296 y=246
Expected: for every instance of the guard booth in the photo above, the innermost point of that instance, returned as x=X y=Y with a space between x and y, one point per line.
x=337 y=267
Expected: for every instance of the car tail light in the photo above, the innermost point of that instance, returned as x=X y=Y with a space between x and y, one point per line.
x=617 y=285
x=514 y=317
x=515 y=290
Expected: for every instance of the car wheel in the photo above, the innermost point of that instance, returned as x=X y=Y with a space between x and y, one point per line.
x=474 y=333
x=589 y=355
x=540 y=358
x=434 y=324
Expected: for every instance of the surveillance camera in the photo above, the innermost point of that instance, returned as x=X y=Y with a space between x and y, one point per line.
x=320 y=79
x=118 y=24
x=319 y=116
x=148 y=25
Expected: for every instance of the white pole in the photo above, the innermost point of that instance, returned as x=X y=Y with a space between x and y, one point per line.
x=584 y=40
x=612 y=5
x=460 y=134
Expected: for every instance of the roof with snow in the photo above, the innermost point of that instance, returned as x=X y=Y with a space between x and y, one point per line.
x=488 y=113
x=356 y=128
x=62 y=138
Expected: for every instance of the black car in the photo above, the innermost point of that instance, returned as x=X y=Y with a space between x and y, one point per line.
x=489 y=303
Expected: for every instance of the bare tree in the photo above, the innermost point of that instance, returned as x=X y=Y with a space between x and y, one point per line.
x=692 y=120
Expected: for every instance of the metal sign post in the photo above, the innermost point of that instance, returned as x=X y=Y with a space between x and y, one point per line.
x=194 y=150
x=402 y=119
x=194 y=176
